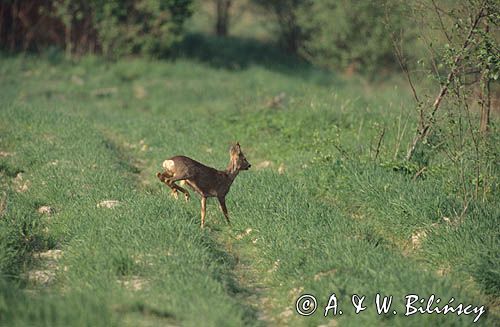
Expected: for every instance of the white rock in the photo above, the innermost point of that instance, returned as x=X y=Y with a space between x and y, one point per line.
x=264 y=164
x=46 y=210
x=108 y=204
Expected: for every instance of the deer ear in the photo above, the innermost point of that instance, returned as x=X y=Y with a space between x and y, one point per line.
x=235 y=149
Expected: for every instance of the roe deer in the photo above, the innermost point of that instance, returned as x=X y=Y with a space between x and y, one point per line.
x=204 y=180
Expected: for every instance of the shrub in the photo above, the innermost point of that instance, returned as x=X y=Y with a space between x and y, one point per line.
x=139 y=26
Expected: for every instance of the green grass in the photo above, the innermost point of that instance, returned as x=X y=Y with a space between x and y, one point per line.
x=336 y=220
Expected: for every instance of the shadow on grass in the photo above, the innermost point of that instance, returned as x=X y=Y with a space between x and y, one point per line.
x=146 y=310
x=235 y=54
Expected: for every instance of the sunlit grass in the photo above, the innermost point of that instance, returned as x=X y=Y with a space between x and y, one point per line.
x=333 y=220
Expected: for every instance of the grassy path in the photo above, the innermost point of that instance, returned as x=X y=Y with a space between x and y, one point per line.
x=246 y=275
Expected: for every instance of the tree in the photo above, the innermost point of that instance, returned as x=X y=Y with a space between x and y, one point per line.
x=286 y=12
x=469 y=50
x=463 y=57
x=222 y=16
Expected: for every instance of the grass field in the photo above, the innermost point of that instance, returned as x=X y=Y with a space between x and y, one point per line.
x=318 y=214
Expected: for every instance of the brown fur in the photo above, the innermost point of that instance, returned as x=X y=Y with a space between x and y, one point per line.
x=204 y=180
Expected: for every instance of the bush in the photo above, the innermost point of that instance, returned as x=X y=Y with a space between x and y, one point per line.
x=350 y=35
x=139 y=26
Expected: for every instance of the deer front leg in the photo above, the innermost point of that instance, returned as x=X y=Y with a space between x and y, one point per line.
x=203 y=210
x=222 y=202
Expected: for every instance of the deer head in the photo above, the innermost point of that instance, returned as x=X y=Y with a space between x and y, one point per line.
x=238 y=160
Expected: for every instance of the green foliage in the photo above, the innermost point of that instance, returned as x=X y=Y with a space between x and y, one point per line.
x=143 y=26
x=286 y=14
x=482 y=54
x=464 y=56
x=341 y=34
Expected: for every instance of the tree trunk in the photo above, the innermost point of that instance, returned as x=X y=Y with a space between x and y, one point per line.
x=222 y=23
x=485 y=94
x=13 y=34
x=485 y=105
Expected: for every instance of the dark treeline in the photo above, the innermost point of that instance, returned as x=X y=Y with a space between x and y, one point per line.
x=334 y=33
x=352 y=36
x=110 y=27
x=17 y=33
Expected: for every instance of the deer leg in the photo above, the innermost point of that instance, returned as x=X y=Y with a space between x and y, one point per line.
x=176 y=188
x=203 y=210
x=222 y=202
x=163 y=177
x=170 y=182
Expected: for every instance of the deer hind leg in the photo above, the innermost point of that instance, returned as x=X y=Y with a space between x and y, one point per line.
x=222 y=202
x=168 y=179
x=176 y=188
x=163 y=177
x=171 y=182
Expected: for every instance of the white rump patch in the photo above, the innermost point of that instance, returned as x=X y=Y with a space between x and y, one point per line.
x=168 y=165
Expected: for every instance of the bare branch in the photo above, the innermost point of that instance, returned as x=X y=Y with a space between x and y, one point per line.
x=425 y=130
x=437 y=10
x=381 y=137
x=398 y=50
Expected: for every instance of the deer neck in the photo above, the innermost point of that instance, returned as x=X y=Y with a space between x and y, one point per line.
x=232 y=170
